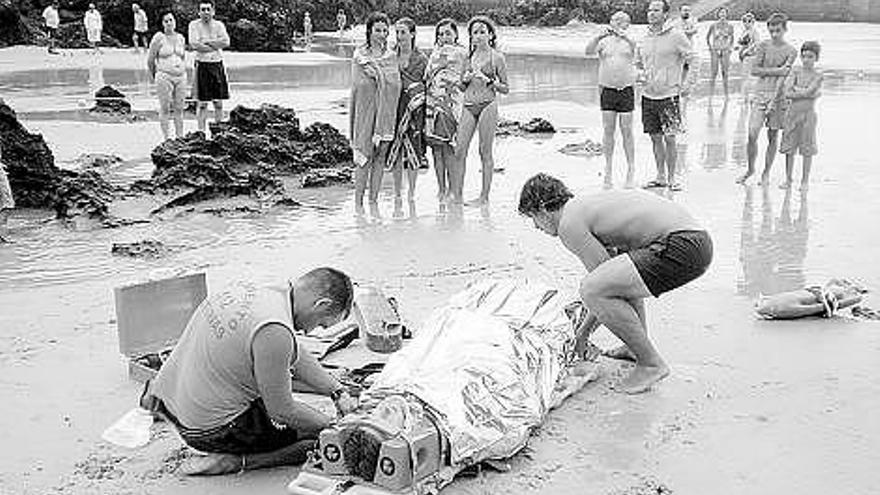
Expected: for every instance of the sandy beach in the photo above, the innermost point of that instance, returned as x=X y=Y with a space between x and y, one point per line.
x=752 y=406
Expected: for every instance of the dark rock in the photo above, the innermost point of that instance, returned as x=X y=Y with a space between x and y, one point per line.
x=13 y=29
x=147 y=249
x=110 y=100
x=327 y=177
x=37 y=183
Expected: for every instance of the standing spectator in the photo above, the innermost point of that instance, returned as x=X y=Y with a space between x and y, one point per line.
x=53 y=21
x=443 y=76
x=719 y=38
x=663 y=58
x=94 y=24
x=773 y=61
x=375 y=89
x=208 y=37
x=746 y=45
x=408 y=148
x=686 y=22
x=484 y=78
x=617 y=75
x=802 y=88
x=141 y=27
x=341 y=22
x=165 y=63
x=307 y=29
x=7 y=202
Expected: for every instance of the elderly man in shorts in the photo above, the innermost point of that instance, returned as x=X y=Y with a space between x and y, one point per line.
x=617 y=75
x=634 y=245
x=772 y=63
x=208 y=37
x=663 y=58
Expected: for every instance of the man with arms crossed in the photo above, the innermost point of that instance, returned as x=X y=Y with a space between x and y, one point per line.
x=634 y=245
x=208 y=37
x=617 y=75
x=662 y=59
x=227 y=385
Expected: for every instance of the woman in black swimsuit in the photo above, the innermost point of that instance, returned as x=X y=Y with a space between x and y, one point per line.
x=484 y=77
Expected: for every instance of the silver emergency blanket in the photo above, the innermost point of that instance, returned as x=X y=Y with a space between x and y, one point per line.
x=487 y=367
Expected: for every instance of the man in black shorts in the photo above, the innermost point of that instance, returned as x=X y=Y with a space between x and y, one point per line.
x=208 y=37
x=662 y=58
x=634 y=245
x=141 y=28
x=617 y=75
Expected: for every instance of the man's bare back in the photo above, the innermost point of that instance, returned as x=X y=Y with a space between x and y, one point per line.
x=624 y=220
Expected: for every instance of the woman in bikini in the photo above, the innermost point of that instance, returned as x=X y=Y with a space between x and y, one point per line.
x=165 y=63
x=485 y=75
x=408 y=149
x=443 y=78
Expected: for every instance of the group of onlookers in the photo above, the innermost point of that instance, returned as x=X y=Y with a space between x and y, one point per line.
x=93 y=23
x=403 y=102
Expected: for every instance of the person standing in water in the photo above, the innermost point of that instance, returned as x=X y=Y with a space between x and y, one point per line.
x=408 y=149
x=307 y=30
x=94 y=25
x=53 y=21
x=444 y=104
x=617 y=75
x=663 y=59
x=375 y=89
x=141 y=27
x=208 y=37
x=484 y=78
x=165 y=61
x=802 y=88
x=634 y=246
x=719 y=39
x=773 y=61
x=686 y=22
x=746 y=45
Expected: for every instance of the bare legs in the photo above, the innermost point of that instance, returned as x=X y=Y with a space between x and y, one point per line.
x=720 y=62
x=444 y=166
x=202 y=114
x=486 y=126
x=613 y=292
x=4 y=219
x=756 y=121
x=665 y=156
x=411 y=174
x=789 y=171
x=370 y=174
x=609 y=122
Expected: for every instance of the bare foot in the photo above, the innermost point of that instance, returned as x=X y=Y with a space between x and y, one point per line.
x=785 y=185
x=642 y=378
x=212 y=465
x=623 y=353
x=805 y=186
x=477 y=202
x=743 y=178
x=608 y=185
x=765 y=181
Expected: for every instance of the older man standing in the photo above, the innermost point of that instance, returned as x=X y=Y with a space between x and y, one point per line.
x=208 y=37
x=617 y=75
x=663 y=58
x=141 y=28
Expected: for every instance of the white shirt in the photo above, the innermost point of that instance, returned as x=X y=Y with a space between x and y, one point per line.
x=140 y=21
x=50 y=14
x=92 y=20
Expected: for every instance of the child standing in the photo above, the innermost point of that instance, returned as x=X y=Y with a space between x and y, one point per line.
x=802 y=89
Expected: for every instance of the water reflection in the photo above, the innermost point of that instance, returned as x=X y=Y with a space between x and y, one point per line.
x=714 y=152
x=740 y=134
x=772 y=250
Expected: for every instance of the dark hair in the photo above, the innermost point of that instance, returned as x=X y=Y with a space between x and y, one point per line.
x=332 y=284
x=778 y=19
x=749 y=16
x=665 y=3
x=167 y=12
x=725 y=9
x=373 y=19
x=443 y=22
x=811 y=46
x=411 y=25
x=493 y=35
x=543 y=192
x=209 y=2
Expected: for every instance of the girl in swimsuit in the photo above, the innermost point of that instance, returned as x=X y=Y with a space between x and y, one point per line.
x=484 y=76
x=165 y=63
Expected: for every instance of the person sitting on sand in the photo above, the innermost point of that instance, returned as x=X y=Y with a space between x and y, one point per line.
x=634 y=245
x=810 y=301
x=226 y=386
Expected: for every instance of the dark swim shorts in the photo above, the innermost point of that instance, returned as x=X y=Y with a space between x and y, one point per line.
x=662 y=117
x=251 y=432
x=673 y=260
x=617 y=100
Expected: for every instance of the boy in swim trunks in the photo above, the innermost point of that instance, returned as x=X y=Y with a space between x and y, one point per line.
x=634 y=245
x=802 y=89
x=771 y=65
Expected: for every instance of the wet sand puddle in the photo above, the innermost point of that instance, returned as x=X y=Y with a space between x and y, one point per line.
x=56 y=281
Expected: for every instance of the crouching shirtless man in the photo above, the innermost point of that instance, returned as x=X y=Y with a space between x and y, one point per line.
x=634 y=245
x=227 y=385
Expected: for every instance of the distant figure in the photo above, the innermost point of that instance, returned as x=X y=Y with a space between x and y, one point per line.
x=53 y=21
x=746 y=45
x=375 y=90
x=445 y=67
x=141 y=27
x=166 y=65
x=617 y=75
x=307 y=29
x=208 y=37
x=773 y=61
x=686 y=22
x=408 y=148
x=7 y=202
x=341 y=22
x=663 y=59
x=484 y=78
x=94 y=24
x=802 y=88
x=719 y=39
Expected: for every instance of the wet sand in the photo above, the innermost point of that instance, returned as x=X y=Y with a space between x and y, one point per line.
x=751 y=407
